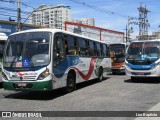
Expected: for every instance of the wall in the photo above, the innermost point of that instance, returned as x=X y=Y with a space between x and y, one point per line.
x=9 y=27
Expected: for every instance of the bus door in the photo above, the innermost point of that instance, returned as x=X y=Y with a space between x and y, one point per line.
x=59 y=57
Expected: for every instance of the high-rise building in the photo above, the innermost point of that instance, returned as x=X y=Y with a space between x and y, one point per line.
x=86 y=21
x=51 y=16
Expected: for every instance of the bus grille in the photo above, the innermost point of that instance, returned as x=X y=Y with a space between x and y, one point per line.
x=24 y=78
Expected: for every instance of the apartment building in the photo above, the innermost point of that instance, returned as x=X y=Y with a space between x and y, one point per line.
x=86 y=21
x=51 y=16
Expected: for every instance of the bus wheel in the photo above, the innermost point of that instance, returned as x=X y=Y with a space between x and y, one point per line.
x=100 y=74
x=70 y=83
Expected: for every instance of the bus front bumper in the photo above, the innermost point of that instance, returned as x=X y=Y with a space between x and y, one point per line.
x=45 y=85
x=118 y=70
x=143 y=73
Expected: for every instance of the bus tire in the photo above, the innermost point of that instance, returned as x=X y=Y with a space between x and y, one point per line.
x=100 y=74
x=70 y=86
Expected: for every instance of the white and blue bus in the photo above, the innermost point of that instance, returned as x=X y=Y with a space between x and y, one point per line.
x=46 y=59
x=143 y=59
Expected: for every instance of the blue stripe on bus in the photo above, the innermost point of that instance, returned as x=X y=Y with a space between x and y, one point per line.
x=141 y=67
x=24 y=69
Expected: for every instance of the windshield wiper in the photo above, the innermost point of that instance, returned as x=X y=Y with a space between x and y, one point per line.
x=19 y=52
x=13 y=61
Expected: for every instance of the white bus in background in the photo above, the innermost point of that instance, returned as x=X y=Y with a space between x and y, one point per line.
x=3 y=39
x=47 y=59
x=143 y=59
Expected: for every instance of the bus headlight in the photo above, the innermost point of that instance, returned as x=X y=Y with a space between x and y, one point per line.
x=123 y=66
x=4 y=76
x=43 y=75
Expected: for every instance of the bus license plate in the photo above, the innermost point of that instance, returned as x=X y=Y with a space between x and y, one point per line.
x=22 y=84
x=141 y=73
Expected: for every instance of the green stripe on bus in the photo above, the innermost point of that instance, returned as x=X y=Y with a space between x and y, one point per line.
x=46 y=85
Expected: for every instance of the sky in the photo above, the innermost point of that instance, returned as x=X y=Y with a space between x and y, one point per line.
x=109 y=14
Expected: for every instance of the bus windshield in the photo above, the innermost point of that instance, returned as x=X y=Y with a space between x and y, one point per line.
x=27 y=50
x=143 y=52
x=119 y=52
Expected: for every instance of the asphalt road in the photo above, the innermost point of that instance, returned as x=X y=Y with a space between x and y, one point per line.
x=114 y=93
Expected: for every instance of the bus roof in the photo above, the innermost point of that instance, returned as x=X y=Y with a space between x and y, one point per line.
x=56 y=30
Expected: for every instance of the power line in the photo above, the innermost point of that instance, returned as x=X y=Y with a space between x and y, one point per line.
x=10 y=1
x=99 y=9
x=12 y=16
x=24 y=4
x=14 y=1
x=11 y=9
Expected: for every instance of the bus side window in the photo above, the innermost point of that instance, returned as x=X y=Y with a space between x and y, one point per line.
x=101 y=49
x=107 y=51
x=58 y=50
x=104 y=50
x=91 y=48
x=98 y=49
x=76 y=45
x=65 y=44
x=82 y=47
x=72 y=50
x=95 y=52
x=87 y=47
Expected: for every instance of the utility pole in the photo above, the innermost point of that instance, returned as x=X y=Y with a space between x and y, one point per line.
x=18 y=16
x=129 y=28
x=143 y=21
x=126 y=33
